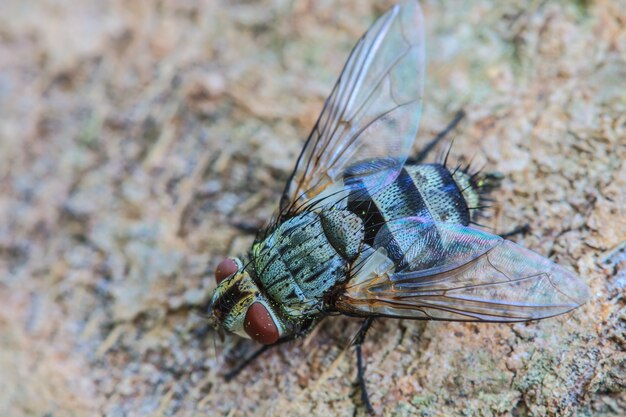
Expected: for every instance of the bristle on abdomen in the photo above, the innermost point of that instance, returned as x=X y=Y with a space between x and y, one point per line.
x=476 y=188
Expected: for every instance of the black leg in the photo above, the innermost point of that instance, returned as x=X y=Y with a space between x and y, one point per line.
x=247 y=228
x=236 y=370
x=440 y=136
x=307 y=326
x=358 y=341
x=521 y=230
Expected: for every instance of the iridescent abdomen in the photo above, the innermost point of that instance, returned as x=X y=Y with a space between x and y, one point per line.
x=428 y=191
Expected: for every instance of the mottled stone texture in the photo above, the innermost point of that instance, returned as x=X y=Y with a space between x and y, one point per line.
x=135 y=134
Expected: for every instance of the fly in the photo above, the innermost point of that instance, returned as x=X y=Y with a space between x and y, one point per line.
x=366 y=231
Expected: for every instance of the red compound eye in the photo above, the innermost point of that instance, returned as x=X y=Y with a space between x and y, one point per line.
x=259 y=325
x=225 y=269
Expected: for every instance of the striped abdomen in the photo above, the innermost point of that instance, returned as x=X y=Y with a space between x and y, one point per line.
x=428 y=191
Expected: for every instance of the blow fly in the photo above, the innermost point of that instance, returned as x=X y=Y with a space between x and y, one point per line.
x=367 y=231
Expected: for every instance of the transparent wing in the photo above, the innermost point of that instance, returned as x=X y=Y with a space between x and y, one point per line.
x=450 y=272
x=372 y=115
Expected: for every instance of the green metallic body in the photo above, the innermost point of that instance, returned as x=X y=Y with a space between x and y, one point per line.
x=305 y=257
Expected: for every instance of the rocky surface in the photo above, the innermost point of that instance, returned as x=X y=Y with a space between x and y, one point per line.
x=134 y=135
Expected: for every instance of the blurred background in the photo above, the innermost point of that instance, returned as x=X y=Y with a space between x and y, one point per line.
x=134 y=135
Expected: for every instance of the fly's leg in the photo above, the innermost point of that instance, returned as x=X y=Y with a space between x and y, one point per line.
x=440 y=136
x=358 y=341
x=307 y=327
x=521 y=230
x=236 y=370
x=247 y=228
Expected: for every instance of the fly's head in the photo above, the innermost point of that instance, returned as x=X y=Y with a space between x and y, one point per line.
x=239 y=306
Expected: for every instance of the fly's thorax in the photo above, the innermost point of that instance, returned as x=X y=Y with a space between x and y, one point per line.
x=240 y=307
x=300 y=262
